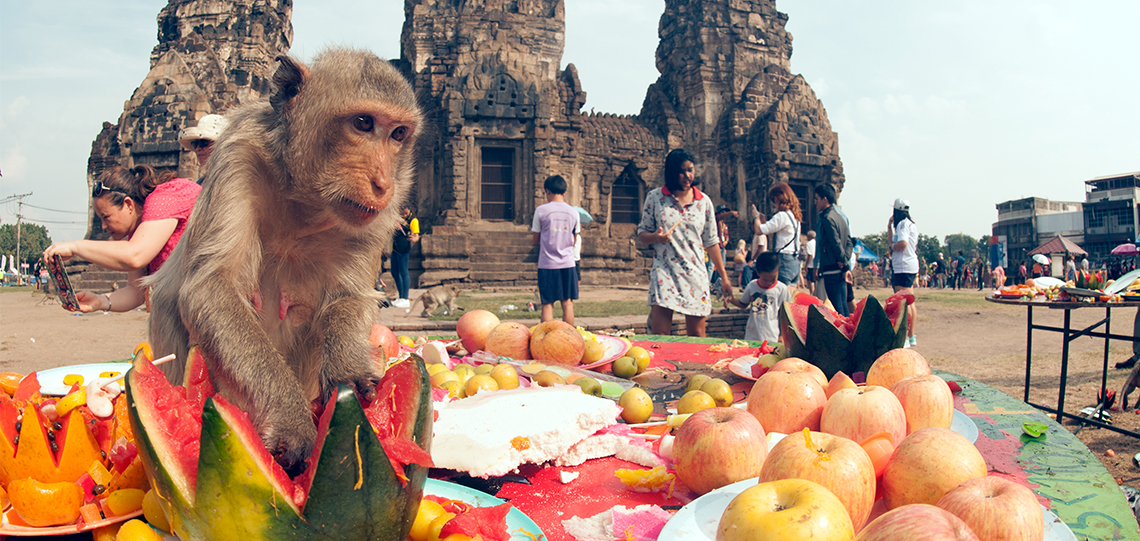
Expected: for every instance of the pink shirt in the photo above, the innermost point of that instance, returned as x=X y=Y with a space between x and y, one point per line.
x=171 y=199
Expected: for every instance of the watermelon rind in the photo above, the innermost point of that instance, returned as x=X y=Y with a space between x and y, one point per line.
x=875 y=335
x=354 y=494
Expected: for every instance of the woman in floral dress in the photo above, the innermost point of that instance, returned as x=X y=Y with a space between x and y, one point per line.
x=679 y=222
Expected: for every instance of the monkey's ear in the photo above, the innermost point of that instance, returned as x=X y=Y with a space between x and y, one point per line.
x=287 y=82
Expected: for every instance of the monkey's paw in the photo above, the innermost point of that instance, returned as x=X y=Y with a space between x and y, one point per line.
x=363 y=382
x=290 y=442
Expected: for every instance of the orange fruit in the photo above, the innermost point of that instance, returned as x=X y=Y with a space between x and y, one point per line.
x=9 y=381
x=45 y=504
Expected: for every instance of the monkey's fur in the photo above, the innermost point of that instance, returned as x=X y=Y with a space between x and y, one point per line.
x=273 y=276
x=435 y=297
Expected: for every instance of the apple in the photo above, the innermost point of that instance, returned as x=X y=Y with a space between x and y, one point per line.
x=862 y=412
x=785 y=509
x=996 y=508
x=894 y=365
x=926 y=400
x=509 y=339
x=927 y=465
x=917 y=521
x=474 y=327
x=383 y=337
x=556 y=341
x=837 y=382
x=796 y=363
x=837 y=463
x=717 y=447
x=787 y=401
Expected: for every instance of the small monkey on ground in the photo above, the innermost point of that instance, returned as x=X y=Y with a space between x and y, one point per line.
x=273 y=276
x=435 y=297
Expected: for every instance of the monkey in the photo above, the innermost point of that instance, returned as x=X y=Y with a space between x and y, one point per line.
x=273 y=277
x=435 y=297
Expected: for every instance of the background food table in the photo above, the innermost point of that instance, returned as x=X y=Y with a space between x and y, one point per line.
x=1069 y=334
x=1067 y=478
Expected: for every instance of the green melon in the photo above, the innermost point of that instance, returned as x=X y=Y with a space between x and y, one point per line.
x=819 y=336
x=235 y=490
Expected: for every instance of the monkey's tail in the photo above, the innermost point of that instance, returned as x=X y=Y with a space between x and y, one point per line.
x=419 y=299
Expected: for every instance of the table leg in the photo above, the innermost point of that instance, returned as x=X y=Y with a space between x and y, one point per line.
x=1028 y=351
x=1064 y=369
x=1104 y=369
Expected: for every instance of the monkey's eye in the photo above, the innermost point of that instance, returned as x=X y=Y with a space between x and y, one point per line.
x=364 y=123
x=400 y=133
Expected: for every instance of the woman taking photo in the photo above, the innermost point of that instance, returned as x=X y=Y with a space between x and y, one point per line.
x=146 y=212
x=785 y=223
x=678 y=221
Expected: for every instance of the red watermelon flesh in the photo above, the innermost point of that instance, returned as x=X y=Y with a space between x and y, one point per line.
x=181 y=419
x=895 y=303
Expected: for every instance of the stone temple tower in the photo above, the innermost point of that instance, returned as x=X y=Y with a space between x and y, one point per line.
x=727 y=94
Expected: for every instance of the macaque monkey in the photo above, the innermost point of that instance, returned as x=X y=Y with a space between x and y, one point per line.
x=273 y=276
x=434 y=298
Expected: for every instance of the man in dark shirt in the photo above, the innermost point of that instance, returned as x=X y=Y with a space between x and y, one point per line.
x=833 y=248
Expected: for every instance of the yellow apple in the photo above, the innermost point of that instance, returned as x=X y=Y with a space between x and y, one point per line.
x=785 y=509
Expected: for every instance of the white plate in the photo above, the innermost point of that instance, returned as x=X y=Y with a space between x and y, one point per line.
x=51 y=380
x=742 y=366
x=1122 y=283
x=698 y=520
x=964 y=426
x=1046 y=282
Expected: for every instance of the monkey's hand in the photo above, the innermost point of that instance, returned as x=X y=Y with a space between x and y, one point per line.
x=346 y=352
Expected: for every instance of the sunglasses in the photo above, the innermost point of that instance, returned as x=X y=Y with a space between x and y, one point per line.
x=200 y=143
x=101 y=189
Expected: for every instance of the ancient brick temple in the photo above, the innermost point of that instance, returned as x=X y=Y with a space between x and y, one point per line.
x=502 y=115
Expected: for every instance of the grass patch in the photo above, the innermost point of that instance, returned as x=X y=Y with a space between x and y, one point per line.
x=495 y=304
x=16 y=289
x=955 y=299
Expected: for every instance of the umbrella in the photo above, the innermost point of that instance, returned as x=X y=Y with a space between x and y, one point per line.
x=863 y=254
x=1041 y=259
x=1125 y=249
x=583 y=216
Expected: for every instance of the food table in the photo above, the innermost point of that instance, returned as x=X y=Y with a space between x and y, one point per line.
x=1067 y=478
x=1069 y=334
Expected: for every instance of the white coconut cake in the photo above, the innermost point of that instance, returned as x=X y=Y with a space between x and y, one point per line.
x=492 y=434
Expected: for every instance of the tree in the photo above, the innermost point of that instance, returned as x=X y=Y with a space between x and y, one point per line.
x=34 y=240
x=961 y=242
x=929 y=247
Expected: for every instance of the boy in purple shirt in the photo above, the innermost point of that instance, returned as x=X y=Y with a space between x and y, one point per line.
x=554 y=227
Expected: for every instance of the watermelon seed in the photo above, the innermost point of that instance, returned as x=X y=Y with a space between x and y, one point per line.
x=54 y=447
x=51 y=435
x=104 y=453
x=19 y=425
x=99 y=489
x=16 y=440
x=56 y=425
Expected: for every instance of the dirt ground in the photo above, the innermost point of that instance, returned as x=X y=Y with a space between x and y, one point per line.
x=983 y=341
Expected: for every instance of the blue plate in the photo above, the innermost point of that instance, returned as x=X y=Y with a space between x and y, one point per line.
x=515 y=519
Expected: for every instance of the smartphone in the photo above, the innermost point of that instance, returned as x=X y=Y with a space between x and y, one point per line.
x=62 y=284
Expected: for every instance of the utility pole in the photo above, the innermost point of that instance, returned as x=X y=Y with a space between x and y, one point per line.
x=19 y=215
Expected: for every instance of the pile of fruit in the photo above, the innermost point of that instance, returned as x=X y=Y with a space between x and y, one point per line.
x=72 y=461
x=825 y=450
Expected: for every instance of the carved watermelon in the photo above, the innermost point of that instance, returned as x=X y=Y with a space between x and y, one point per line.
x=216 y=480
x=816 y=333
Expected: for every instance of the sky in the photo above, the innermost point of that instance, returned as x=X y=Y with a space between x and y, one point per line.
x=955 y=106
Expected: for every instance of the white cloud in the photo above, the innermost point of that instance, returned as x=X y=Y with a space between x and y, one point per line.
x=14 y=164
x=18 y=106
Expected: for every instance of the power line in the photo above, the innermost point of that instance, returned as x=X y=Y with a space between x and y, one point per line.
x=26 y=219
x=54 y=210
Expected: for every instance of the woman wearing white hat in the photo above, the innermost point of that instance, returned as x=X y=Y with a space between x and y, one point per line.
x=200 y=139
x=904 y=259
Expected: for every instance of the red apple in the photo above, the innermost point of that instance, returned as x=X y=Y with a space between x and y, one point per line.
x=509 y=339
x=838 y=382
x=796 y=363
x=927 y=465
x=787 y=401
x=474 y=327
x=926 y=400
x=894 y=365
x=783 y=510
x=556 y=341
x=996 y=509
x=383 y=338
x=717 y=447
x=859 y=413
x=917 y=521
x=837 y=463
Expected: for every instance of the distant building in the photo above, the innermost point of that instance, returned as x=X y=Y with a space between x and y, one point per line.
x=1111 y=213
x=1027 y=223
